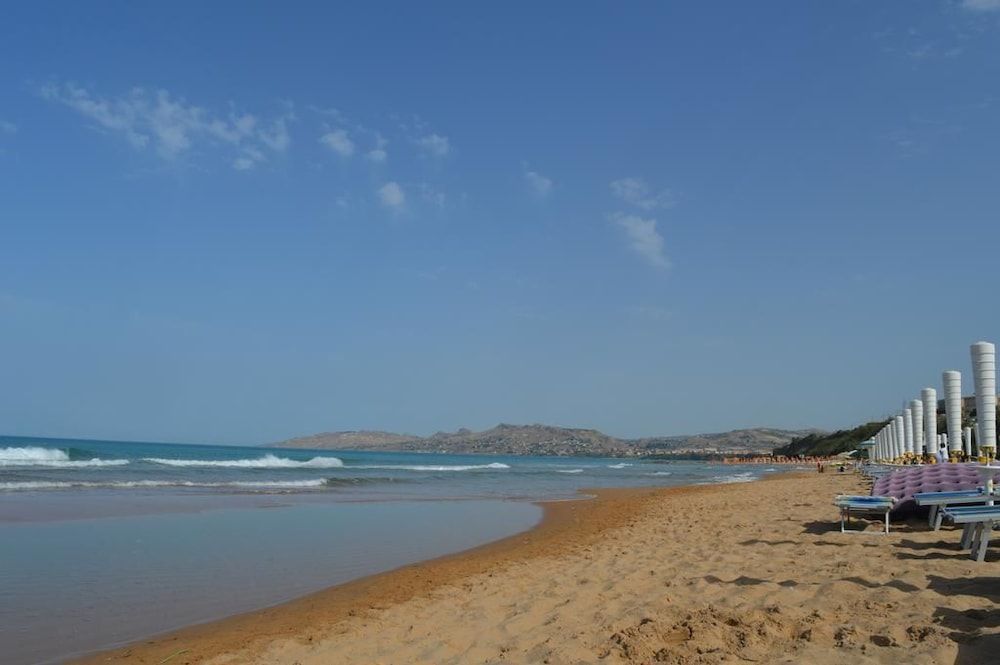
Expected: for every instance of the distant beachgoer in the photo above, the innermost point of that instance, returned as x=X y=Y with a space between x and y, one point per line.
x=942 y=456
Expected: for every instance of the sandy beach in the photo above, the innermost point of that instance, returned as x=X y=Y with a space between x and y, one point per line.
x=751 y=572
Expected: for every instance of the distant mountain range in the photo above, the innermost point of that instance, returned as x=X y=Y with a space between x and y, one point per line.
x=507 y=439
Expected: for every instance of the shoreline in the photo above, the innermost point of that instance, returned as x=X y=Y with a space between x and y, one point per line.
x=564 y=524
x=755 y=571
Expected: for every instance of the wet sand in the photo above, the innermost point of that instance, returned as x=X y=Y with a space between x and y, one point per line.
x=707 y=574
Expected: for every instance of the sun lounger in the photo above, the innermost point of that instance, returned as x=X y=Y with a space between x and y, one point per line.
x=876 y=471
x=939 y=500
x=966 y=516
x=863 y=504
x=978 y=523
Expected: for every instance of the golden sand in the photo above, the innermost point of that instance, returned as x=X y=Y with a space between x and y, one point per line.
x=753 y=572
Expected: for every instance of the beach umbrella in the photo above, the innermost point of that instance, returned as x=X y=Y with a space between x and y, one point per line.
x=900 y=438
x=952 y=380
x=917 y=414
x=908 y=432
x=967 y=440
x=929 y=396
x=984 y=373
x=893 y=440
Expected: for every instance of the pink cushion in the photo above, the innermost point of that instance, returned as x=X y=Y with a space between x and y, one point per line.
x=904 y=483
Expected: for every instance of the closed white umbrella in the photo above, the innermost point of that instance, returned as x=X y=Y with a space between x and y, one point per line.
x=984 y=372
x=952 y=380
x=929 y=396
x=900 y=438
x=907 y=432
x=917 y=414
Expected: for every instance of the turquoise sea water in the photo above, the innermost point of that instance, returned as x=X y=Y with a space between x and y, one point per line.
x=89 y=468
x=107 y=542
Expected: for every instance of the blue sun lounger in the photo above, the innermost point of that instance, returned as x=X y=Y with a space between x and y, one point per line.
x=939 y=500
x=978 y=523
x=881 y=505
x=875 y=471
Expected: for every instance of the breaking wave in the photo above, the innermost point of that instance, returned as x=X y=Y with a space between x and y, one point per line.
x=266 y=462
x=51 y=458
x=569 y=470
x=745 y=477
x=361 y=480
x=139 y=484
x=620 y=465
x=435 y=467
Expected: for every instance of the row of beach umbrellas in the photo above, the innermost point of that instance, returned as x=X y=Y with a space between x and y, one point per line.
x=911 y=436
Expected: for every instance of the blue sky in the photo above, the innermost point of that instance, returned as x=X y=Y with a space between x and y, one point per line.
x=242 y=222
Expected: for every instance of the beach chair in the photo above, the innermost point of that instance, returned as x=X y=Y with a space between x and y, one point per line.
x=978 y=523
x=880 y=505
x=940 y=500
x=875 y=472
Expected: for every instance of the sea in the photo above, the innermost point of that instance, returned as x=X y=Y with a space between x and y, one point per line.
x=106 y=542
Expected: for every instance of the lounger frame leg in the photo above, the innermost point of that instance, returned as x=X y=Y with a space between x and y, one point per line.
x=968 y=533
x=938 y=519
x=887 y=522
x=984 y=530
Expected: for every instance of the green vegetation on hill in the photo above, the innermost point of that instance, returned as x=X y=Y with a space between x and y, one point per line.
x=841 y=441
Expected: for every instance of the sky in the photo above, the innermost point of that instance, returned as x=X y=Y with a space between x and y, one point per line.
x=239 y=222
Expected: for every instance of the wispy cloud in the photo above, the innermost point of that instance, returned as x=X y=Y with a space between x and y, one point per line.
x=904 y=141
x=434 y=145
x=391 y=195
x=7 y=127
x=339 y=142
x=329 y=112
x=276 y=136
x=643 y=238
x=981 y=5
x=635 y=191
x=432 y=196
x=248 y=160
x=539 y=184
x=378 y=154
x=173 y=126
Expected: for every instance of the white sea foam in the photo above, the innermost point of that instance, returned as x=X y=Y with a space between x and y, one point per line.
x=661 y=473
x=569 y=470
x=435 y=467
x=745 y=477
x=620 y=465
x=33 y=454
x=139 y=484
x=50 y=458
x=266 y=462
